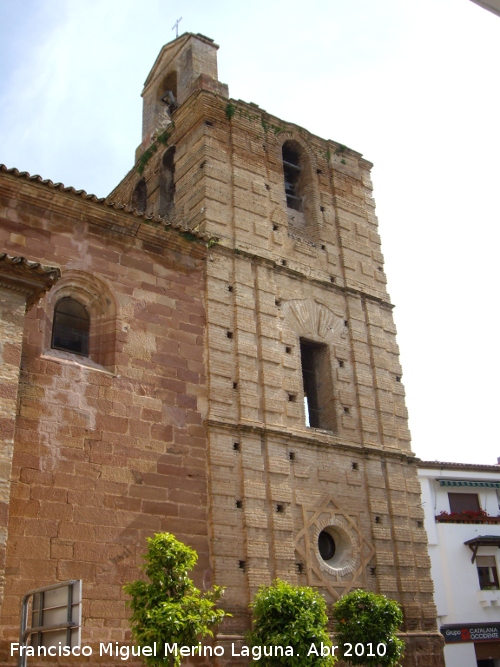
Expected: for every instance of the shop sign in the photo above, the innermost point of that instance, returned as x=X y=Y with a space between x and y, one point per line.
x=454 y=634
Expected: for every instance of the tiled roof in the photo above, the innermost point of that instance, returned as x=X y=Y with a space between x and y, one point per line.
x=101 y=201
x=458 y=466
x=31 y=279
x=50 y=272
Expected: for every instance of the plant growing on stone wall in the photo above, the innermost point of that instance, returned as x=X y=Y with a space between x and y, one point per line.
x=167 y=608
x=160 y=138
x=290 y=616
x=189 y=237
x=369 y=622
x=164 y=136
x=145 y=157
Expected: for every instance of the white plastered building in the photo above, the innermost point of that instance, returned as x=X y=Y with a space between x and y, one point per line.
x=461 y=504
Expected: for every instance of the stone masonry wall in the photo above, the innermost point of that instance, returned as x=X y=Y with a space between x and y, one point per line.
x=12 y=309
x=103 y=456
x=268 y=287
x=274 y=483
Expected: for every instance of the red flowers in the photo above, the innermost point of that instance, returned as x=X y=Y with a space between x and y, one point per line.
x=468 y=516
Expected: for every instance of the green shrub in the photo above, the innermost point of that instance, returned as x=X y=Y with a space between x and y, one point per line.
x=290 y=616
x=369 y=619
x=168 y=608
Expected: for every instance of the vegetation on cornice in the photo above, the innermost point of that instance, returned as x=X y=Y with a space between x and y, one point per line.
x=231 y=110
x=191 y=238
x=270 y=126
x=161 y=138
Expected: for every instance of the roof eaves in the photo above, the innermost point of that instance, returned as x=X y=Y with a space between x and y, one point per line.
x=102 y=201
x=459 y=466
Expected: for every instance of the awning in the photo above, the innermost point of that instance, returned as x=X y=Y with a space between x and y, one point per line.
x=461 y=482
x=482 y=541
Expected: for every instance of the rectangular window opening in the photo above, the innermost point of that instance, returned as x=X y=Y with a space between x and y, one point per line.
x=487 y=572
x=464 y=502
x=319 y=409
x=51 y=616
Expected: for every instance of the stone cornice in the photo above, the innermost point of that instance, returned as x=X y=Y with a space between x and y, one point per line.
x=316 y=437
x=30 y=279
x=298 y=275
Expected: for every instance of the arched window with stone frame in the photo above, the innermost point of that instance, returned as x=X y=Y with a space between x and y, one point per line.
x=300 y=190
x=81 y=320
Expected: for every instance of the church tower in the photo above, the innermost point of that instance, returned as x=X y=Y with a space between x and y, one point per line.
x=311 y=477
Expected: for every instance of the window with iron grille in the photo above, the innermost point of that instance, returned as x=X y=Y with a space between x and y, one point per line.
x=51 y=616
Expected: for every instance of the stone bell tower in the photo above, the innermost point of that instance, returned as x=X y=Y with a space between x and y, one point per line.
x=187 y=64
x=311 y=477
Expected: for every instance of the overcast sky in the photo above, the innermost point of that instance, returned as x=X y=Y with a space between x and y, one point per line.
x=413 y=85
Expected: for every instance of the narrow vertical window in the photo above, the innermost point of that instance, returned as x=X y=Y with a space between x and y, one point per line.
x=167 y=182
x=292 y=172
x=139 y=197
x=71 y=327
x=317 y=383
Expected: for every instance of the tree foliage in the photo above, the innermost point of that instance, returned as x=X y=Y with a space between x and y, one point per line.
x=363 y=617
x=286 y=615
x=168 y=608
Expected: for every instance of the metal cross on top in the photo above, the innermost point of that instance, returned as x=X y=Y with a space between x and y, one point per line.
x=176 y=26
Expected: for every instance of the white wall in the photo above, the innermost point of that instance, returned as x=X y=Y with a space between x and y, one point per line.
x=460 y=655
x=456 y=584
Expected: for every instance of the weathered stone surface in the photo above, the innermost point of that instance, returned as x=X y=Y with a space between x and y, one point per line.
x=188 y=415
